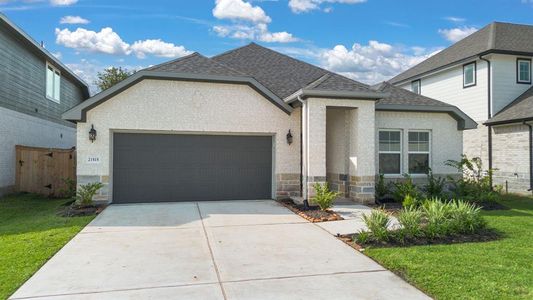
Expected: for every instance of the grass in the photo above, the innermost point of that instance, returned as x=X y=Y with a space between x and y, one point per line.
x=501 y=269
x=30 y=234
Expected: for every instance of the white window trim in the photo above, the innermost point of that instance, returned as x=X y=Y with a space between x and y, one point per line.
x=519 y=60
x=474 y=82
x=430 y=164
x=392 y=175
x=55 y=70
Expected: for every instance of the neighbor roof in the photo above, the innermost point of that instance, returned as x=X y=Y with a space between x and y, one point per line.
x=496 y=37
x=521 y=109
x=399 y=99
x=39 y=50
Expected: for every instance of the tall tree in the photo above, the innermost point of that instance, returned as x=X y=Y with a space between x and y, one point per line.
x=111 y=76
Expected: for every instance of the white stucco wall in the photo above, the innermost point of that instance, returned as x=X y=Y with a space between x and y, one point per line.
x=187 y=107
x=446 y=140
x=337 y=140
x=22 y=129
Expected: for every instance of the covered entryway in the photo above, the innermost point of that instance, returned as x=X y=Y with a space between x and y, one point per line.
x=187 y=167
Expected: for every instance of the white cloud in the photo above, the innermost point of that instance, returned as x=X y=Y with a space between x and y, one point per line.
x=455 y=19
x=104 y=41
x=158 y=48
x=456 y=34
x=258 y=32
x=73 y=20
x=302 y=6
x=63 y=2
x=239 y=10
x=373 y=62
x=57 y=54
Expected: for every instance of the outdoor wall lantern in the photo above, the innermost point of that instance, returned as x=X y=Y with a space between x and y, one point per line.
x=289 y=137
x=92 y=134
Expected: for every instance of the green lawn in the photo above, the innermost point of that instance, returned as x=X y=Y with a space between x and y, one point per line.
x=501 y=269
x=30 y=233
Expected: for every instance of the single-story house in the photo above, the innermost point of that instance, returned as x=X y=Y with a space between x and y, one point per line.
x=252 y=123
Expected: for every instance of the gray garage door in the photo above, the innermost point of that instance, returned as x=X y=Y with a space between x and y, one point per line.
x=167 y=167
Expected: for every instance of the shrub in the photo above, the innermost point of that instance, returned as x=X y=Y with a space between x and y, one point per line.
x=382 y=189
x=378 y=223
x=362 y=237
x=465 y=217
x=70 y=188
x=410 y=201
x=85 y=193
x=437 y=218
x=407 y=187
x=410 y=219
x=435 y=186
x=324 y=197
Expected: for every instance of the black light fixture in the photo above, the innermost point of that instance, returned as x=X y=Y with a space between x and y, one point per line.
x=289 y=137
x=92 y=134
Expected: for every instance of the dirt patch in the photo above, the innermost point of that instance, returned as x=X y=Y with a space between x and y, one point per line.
x=481 y=236
x=312 y=213
x=73 y=210
x=491 y=205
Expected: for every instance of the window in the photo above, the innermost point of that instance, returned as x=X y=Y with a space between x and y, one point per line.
x=419 y=148
x=415 y=86
x=523 y=70
x=53 y=83
x=469 y=75
x=390 y=151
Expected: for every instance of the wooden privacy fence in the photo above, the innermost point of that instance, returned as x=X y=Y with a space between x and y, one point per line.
x=44 y=170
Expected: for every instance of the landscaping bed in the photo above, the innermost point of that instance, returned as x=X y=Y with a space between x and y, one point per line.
x=312 y=213
x=74 y=210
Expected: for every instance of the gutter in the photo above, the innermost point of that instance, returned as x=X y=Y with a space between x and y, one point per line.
x=489 y=110
x=530 y=155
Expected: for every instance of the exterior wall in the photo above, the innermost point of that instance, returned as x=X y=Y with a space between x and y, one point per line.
x=189 y=107
x=511 y=157
x=337 y=149
x=21 y=129
x=446 y=140
x=361 y=123
x=23 y=82
x=505 y=87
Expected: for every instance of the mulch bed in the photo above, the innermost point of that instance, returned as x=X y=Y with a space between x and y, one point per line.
x=491 y=205
x=312 y=213
x=73 y=210
x=482 y=236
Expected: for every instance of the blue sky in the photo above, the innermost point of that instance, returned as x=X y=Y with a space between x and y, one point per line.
x=368 y=40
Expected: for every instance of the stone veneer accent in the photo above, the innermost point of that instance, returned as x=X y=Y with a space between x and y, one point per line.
x=362 y=188
x=288 y=185
x=103 y=194
x=339 y=183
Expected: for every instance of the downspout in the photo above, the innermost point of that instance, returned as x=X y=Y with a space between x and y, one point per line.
x=304 y=136
x=530 y=155
x=489 y=108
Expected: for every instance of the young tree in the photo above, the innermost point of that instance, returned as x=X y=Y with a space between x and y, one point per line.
x=111 y=76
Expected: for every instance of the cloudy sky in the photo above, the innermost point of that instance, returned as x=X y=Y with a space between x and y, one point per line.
x=367 y=40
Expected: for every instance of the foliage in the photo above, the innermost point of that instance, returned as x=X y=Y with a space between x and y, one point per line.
x=404 y=188
x=382 y=188
x=324 y=197
x=466 y=217
x=111 y=76
x=435 y=186
x=86 y=192
x=362 y=237
x=378 y=223
x=475 y=185
x=410 y=220
x=69 y=191
x=436 y=214
x=410 y=201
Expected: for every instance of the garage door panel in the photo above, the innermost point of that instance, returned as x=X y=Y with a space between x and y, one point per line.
x=161 y=167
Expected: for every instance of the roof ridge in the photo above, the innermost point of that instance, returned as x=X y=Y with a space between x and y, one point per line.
x=173 y=61
x=491 y=43
x=233 y=50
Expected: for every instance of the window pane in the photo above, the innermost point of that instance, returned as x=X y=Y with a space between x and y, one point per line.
x=57 y=83
x=418 y=163
x=389 y=141
x=523 y=70
x=418 y=141
x=415 y=87
x=389 y=163
x=469 y=74
x=49 y=83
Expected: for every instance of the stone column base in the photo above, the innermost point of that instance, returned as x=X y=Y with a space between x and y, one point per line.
x=362 y=189
x=103 y=194
x=287 y=185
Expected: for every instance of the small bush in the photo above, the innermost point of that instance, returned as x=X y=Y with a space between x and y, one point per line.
x=70 y=188
x=382 y=188
x=378 y=223
x=411 y=201
x=407 y=187
x=435 y=186
x=437 y=216
x=85 y=193
x=324 y=197
x=465 y=217
x=362 y=237
x=410 y=220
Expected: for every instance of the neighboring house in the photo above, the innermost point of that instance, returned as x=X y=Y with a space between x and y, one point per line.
x=252 y=123
x=35 y=89
x=488 y=76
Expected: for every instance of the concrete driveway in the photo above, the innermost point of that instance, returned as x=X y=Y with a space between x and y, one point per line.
x=210 y=250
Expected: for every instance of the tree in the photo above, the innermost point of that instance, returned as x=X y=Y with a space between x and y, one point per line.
x=111 y=76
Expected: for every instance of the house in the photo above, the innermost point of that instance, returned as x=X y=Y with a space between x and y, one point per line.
x=252 y=123
x=35 y=89
x=486 y=74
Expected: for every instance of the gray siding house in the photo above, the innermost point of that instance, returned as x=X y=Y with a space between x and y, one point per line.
x=35 y=89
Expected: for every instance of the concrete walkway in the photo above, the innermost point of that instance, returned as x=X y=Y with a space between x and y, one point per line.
x=210 y=250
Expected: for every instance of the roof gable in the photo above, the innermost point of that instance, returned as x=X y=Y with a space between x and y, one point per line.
x=521 y=109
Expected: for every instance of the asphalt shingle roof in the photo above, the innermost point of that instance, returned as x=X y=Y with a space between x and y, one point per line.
x=397 y=95
x=195 y=64
x=496 y=36
x=520 y=109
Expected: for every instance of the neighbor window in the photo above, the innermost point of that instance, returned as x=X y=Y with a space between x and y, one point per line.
x=469 y=74
x=390 y=151
x=523 y=70
x=418 y=152
x=53 y=83
x=415 y=86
